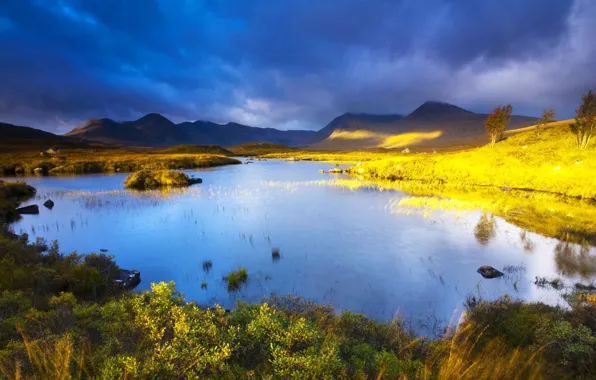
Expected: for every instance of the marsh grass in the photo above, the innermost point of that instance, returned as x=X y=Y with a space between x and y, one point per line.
x=555 y=283
x=275 y=254
x=207 y=265
x=107 y=161
x=236 y=279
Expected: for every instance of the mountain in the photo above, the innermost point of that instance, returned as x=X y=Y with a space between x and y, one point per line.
x=156 y=130
x=16 y=138
x=432 y=125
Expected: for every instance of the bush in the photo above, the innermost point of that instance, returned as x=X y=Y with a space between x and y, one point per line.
x=149 y=179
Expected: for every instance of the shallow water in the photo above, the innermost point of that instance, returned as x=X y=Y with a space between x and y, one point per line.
x=339 y=245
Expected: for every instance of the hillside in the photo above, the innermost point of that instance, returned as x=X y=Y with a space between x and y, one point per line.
x=17 y=138
x=197 y=149
x=432 y=125
x=549 y=162
x=355 y=121
x=156 y=130
x=255 y=149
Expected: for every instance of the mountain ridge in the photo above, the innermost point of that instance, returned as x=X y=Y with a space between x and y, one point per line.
x=432 y=123
x=156 y=130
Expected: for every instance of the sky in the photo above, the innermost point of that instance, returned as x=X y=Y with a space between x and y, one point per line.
x=288 y=64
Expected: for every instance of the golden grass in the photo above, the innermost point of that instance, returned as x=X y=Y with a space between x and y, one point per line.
x=495 y=361
x=549 y=162
x=50 y=358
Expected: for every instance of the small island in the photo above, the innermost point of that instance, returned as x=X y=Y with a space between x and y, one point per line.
x=153 y=179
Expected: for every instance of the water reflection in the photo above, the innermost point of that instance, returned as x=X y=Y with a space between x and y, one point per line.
x=575 y=260
x=485 y=229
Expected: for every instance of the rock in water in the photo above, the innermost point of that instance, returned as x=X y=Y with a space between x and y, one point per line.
x=489 y=272
x=49 y=204
x=32 y=209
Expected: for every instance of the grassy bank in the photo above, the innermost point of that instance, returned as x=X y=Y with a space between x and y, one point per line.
x=107 y=161
x=549 y=162
x=336 y=157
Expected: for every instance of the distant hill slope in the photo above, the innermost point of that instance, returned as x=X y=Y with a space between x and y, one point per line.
x=197 y=149
x=156 y=130
x=17 y=138
x=255 y=149
x=433 y=124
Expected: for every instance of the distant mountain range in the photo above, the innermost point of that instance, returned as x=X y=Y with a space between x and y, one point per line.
x=433 y=124
x=156 y=130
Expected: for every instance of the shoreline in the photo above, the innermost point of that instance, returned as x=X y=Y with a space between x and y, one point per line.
x=332 y=344
x=126 y=163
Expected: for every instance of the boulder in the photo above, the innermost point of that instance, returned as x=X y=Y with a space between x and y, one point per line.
x=126 y=279
x=31 y=209
x=49 y=204
x=38 y=171
x=195 y=180
x=489 y=272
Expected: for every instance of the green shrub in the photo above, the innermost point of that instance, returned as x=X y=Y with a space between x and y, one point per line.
x=237 y=278
x=149 y=179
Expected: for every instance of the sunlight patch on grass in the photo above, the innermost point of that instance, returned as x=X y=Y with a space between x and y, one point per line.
x=405 y=139
x=359 y=134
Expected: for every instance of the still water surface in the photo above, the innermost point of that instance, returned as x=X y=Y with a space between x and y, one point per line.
x=339 y=246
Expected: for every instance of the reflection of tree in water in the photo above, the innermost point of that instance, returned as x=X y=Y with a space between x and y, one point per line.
x=485 y=229
x=527 y=242
x=573 y=259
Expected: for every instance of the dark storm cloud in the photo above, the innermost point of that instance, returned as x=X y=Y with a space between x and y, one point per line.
x=286 y=64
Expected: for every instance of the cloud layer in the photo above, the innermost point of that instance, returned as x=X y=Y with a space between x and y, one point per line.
x=288 y=64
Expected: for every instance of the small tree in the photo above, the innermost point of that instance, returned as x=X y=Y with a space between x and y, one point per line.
x=548 y=116
x=585 y=121
x=497 y=122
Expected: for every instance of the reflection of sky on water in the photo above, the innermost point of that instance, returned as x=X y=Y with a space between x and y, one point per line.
x=338 y=245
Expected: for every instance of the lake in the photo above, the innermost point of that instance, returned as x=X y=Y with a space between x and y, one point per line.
x=340 y=245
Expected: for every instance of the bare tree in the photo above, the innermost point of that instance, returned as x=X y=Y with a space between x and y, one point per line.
x=585 y=121
x=497 y=122
x=548 y=116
